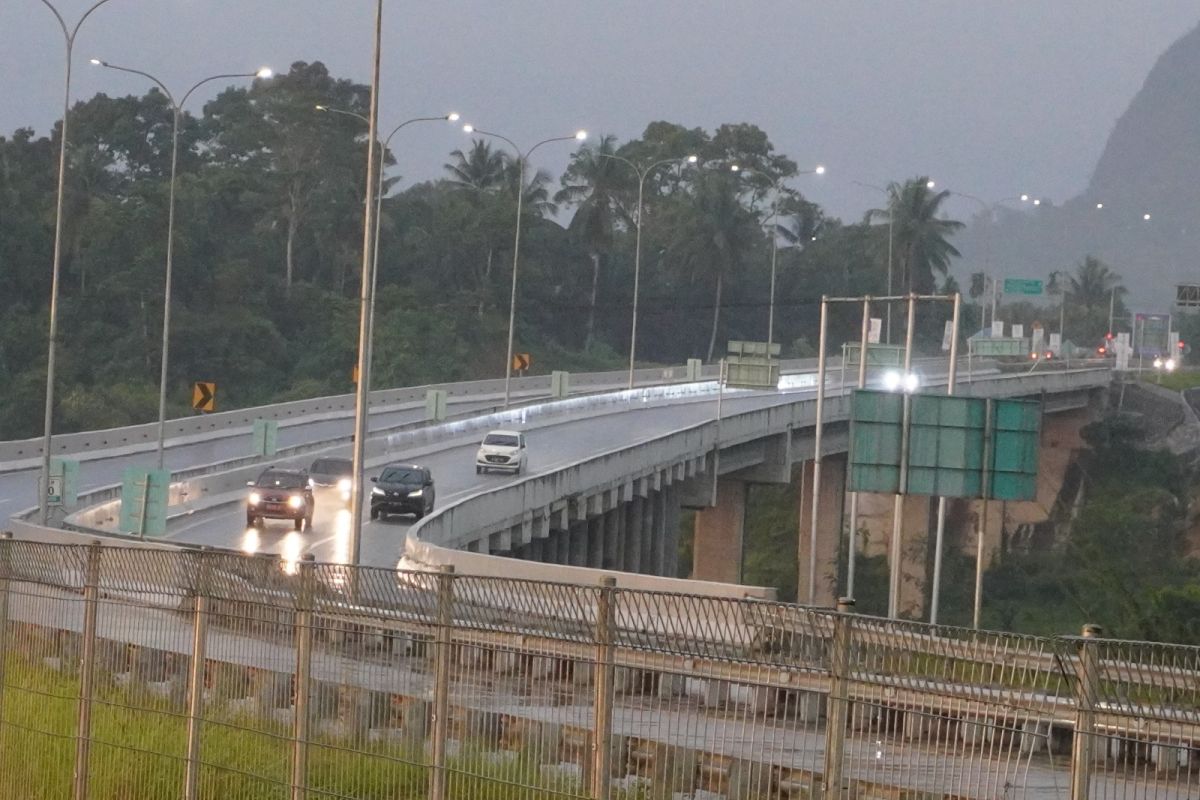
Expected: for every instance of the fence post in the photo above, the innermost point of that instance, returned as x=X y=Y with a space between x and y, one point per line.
x=1087 y=687
x=441 y=680
x=195 y=699
x=303 y=683
x=839 y=697
x=5 y=571
x=83 y=725
x=603 y=703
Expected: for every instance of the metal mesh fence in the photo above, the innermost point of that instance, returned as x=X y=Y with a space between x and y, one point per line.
x=152 y=674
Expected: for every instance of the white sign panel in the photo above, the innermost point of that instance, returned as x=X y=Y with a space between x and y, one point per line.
x=1036 y=336
x=1018 y=331
x=997 y=328
x=947 y=335
x=874 y=330
x=1055 y=342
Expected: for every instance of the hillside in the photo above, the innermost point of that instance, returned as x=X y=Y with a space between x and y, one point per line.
x=1150 y=165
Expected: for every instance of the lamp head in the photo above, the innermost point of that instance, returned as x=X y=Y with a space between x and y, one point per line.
x=580 y=135
x=734 y=168
x=264 y=73
x=468 y=128
x=320 y=107
x=452 y=116
x=820 y=170
x=1024 y=198
x=693 y=159
x=930 y=184
x=97 y=62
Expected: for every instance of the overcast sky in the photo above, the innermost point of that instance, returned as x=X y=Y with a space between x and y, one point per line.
x=991 y=97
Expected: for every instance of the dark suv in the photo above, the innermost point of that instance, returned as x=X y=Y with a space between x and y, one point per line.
x=280 y=494
x=402 y=489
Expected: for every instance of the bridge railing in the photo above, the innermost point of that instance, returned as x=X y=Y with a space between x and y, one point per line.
x=131 y=672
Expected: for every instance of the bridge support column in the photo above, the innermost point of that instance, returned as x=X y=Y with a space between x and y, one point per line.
x=577 y=548
x=667 y=540
x=596 y=531
x=651 y=531
x=614 y=530
x=875 y=520
x=829 y=528
x=718 y=537
x=635 y=531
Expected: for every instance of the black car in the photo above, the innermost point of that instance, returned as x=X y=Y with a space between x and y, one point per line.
x=332 y=473
x=402 y=489
x=280 y=494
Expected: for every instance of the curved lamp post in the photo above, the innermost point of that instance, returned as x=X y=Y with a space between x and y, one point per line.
x=176 y=115
x=637 y=248
x=512 y=305
x=370 y=344
x=69 y=34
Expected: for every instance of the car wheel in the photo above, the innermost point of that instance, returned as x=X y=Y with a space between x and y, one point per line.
x=374 y=513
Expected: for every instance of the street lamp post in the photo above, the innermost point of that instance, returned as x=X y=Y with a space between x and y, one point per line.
x=370 y=343
x=69 y=39
x=512 y=304
x=777 y=188
x=886 y=193
x=637 y=247
x=176 y=114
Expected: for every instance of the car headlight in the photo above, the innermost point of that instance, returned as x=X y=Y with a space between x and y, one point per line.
x=295 y=501
x=255 y=498
x=416 y=493
x=377 y=490
x=345 y=484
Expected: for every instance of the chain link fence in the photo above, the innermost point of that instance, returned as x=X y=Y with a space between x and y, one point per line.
x=130 y=673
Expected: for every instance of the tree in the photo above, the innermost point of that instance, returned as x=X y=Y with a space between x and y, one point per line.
x=481 y=168
x=1094 y=284
x=920 y=237
x=593 y=183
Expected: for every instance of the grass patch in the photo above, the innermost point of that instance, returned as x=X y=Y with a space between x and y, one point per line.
x=1176 y=381
x=139 y=743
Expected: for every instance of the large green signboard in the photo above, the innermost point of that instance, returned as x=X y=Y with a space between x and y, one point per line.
x=1022 y=286
x=878 y=355
x=953 y=443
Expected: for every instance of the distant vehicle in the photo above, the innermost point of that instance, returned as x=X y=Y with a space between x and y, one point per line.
x=336 y=473
x=280 y=494
x=501 y=450
x=402 y=489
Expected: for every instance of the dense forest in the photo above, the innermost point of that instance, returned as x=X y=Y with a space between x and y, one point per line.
x=268 y=245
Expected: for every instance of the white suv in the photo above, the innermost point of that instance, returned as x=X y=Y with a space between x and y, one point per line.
x=502 y=450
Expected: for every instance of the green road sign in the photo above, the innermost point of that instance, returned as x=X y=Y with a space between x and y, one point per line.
x=144 y=501
x=995 y=347
x=948 y=440
x=1022 y=286
x=266 y=435
x=878 y=355
x=875 y=430
x=945 y=446
x=64 y=482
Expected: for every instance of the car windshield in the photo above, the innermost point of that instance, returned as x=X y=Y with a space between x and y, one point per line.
x=280 y=480
x=501 y=439
x=332 y=466
x=401 y=475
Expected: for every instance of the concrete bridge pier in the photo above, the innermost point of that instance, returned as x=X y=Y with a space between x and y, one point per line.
x=718 y=539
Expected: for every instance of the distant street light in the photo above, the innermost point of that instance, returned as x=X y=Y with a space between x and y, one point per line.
x=512 y=305
x=365 y=375
x=69 y=39
x=176 y=114
x=637 y=248
x=1146 y=217
x=776 y=190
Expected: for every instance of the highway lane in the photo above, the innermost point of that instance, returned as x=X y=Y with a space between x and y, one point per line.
x=18 y=489
x=553 y=443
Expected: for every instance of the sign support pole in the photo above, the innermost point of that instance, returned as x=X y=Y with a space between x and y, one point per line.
x=898 y=506
x=983 y=517
x=862 y=382
x=816 y=498
x=941 y=512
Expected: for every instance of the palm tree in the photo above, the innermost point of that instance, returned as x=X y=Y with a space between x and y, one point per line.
x=919 y=235
x=1094 y=284
x=710 y=236
x=481 y=168
x=594 y=183
x=536 y=191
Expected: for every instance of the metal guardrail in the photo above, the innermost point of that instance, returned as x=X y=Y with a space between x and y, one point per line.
x=166 y=674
